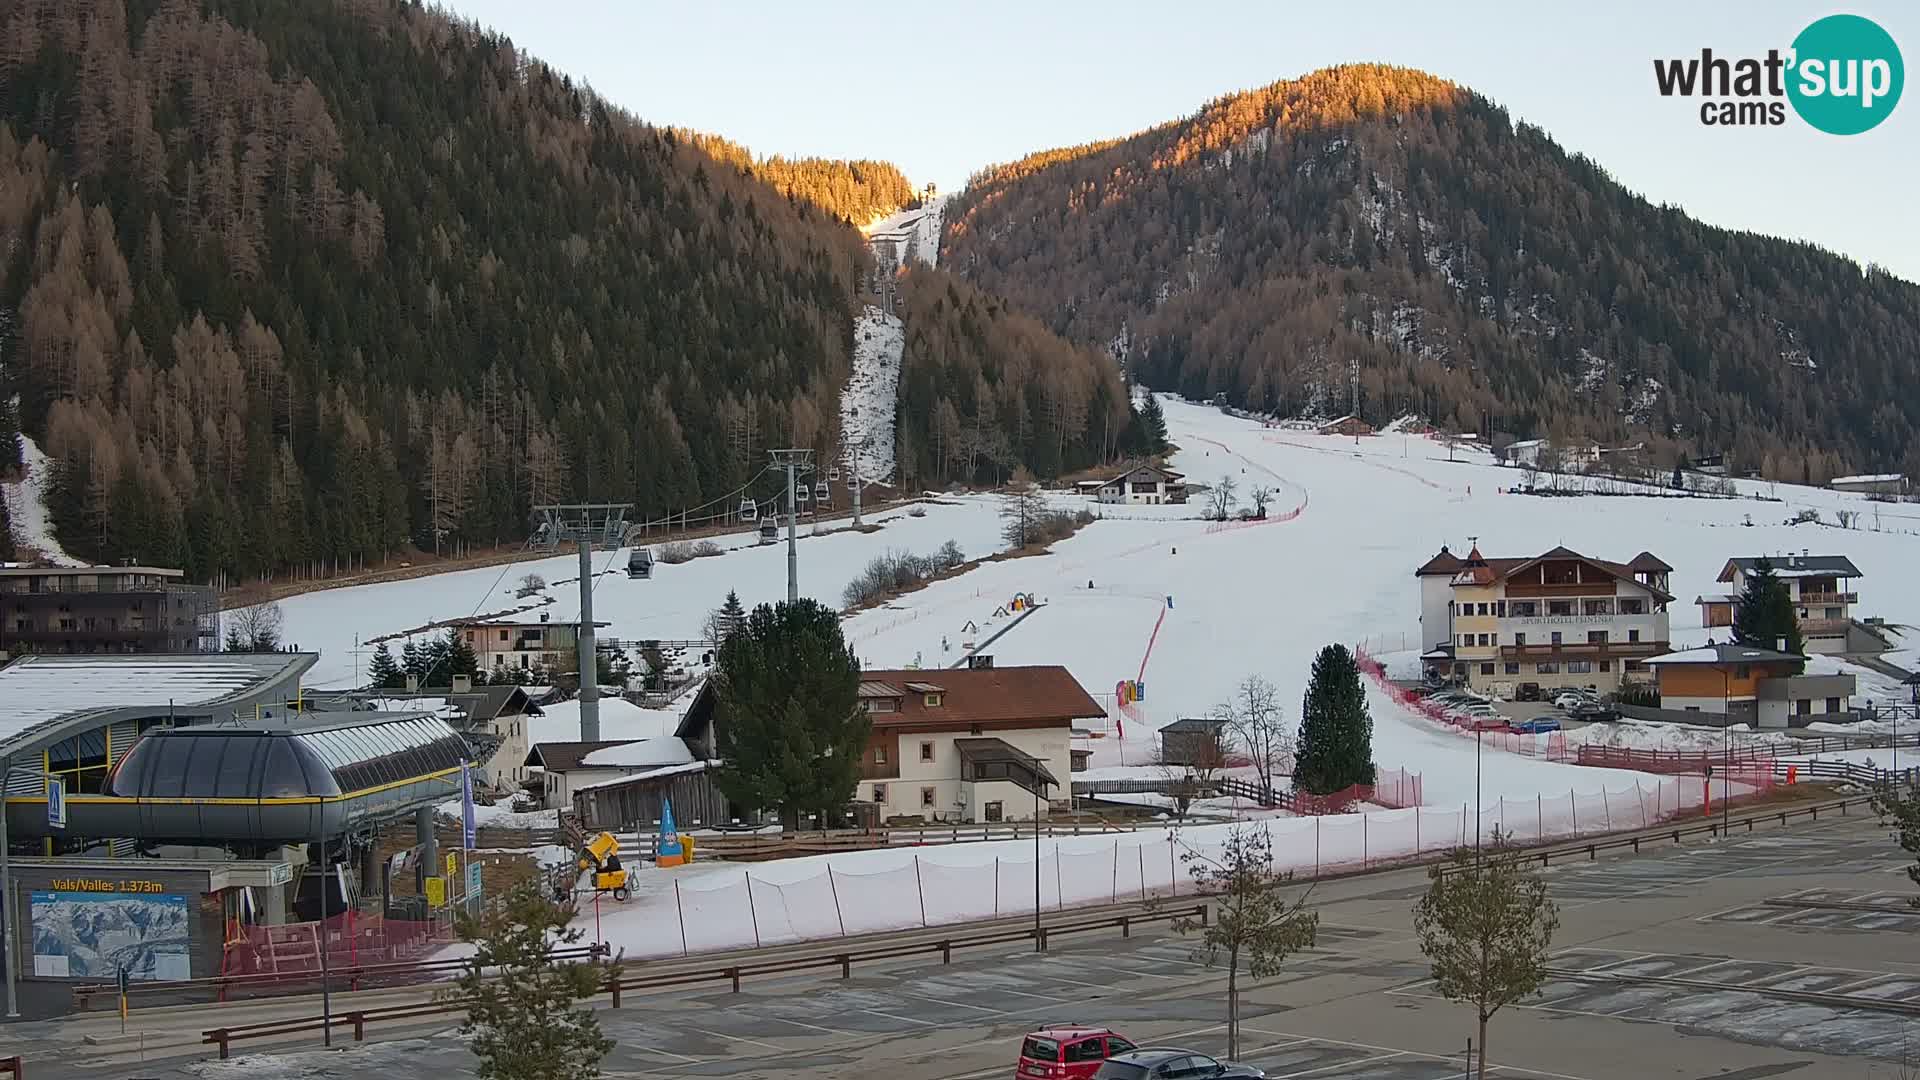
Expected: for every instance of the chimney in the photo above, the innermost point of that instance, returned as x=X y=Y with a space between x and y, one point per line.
x=462 y=684
x=413 y=683
x=1779 y=644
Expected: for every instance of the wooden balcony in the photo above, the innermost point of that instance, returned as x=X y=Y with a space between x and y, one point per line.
x=1813 y=598
x=1572 y=588
x=1584 y=650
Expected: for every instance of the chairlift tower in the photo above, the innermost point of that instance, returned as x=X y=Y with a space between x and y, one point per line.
x=587 y=525
x=797 y=463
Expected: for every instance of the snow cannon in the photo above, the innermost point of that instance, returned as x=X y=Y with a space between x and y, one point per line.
x=602 y=856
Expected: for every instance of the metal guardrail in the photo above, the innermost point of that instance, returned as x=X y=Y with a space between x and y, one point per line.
x=345 y=978
x=844 y=959
x=1674 y=833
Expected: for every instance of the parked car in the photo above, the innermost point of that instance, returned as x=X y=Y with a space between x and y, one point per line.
x=1169 y=1063
x=1539 y=725
x=1566 y=699
x=1593 y=711
x=1496 y=722
x=1458 y=698
x=1475 y=709
x=1067 y=1052
x=1527 y=691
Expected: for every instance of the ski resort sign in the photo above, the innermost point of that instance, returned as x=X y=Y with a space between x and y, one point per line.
x=1843 y=75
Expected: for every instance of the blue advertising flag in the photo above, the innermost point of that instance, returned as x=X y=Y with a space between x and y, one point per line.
x=669 y=833
x=466 y=804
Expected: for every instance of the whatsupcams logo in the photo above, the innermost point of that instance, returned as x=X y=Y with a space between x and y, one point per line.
x=1842 y=75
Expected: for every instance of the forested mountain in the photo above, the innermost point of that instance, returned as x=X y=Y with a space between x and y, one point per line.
x=855 y=191
x=298 y=282
x=984 y=389
x=1477 y=272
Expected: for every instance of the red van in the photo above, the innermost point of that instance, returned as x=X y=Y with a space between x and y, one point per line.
x=1067 y=1052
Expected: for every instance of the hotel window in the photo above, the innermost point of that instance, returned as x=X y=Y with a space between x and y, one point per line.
x=1466 y=641
x=994 y=812
x=1483 y=640
x=1548 y=668
x=1833 y=704
x=1803 y=707
x=1606 y=665
x=1632 y=605
x=1556 y=637
x=927 y=795
x=1519 y=639
x=879 y=755
x=1633 y=635
x=1513 y=669
x=1579 y=667
x=926 y=751
x=1599 y=607
x=503 y=635
x=1483 y=609
x=1559 y=607
x=879 y=793
x=1486 y=669
x=1596 y=637
x=1500 y=608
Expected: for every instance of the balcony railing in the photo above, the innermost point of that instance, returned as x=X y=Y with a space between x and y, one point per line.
x=1829 y=598
x=1824 y=627
x=1584 y=648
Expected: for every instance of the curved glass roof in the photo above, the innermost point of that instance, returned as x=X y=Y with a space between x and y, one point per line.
x=241 y=763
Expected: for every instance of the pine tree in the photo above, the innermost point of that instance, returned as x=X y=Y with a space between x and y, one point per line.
x=383 y=673
x=1336 y=730
x=525 y=1020
x=413 y=662
x=1153 y=427
x=790 y=727
x=461 y=659
x=727 y=619
x=1764 y=616
x=234 y=642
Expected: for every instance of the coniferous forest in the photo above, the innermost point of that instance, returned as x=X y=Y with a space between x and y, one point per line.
x=1478 y=274
x=307 y=283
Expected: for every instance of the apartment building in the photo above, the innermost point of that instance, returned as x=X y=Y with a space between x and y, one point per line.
x=1821 y=587
x=105 y=609
x=1555 y=619
x=525 y=640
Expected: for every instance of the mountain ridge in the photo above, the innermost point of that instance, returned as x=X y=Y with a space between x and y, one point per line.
x=1478 y=273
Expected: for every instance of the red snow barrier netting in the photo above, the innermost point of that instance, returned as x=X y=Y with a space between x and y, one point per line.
x=1395 y=789
x=821 y=897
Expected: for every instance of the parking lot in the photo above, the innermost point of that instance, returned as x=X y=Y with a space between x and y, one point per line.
x=1677 y=961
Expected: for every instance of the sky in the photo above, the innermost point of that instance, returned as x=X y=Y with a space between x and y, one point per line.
x=942 y=90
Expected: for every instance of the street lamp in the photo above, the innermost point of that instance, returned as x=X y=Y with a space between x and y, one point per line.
x=1039 y=942
x=1479 y=738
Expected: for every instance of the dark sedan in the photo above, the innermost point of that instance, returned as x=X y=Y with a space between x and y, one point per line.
x=1167 y=1063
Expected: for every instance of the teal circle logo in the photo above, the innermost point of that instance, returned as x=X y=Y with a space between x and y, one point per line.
x=1846 y=74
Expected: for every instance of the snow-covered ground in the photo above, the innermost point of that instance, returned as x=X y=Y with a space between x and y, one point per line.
x=1218 y=604
x=910 y=235
x=26 y=501
x=868 y=404
x=672 y=605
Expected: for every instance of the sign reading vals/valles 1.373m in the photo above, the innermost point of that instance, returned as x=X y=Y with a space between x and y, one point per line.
x=105 y=885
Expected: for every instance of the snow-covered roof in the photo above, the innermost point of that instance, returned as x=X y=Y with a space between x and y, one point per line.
x=1722 y=654
x=42 y=691
x=1872 y=478
x=642 y=753
x=650 y=774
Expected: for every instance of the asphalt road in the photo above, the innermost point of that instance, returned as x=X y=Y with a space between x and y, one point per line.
x=1678 y=960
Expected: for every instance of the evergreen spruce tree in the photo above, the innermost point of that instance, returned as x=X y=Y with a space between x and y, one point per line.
x=1764 y=617
x=234 y=642
x=461 y=659
x=727 y=619
x=789 y=725
x=1153 y=427
x=384 y=673
x=412 y=662
x=1336 y=731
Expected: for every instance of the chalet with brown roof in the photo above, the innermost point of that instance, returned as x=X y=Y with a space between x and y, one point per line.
x=966 y=745
x=1556 y=619
x=1148 y=484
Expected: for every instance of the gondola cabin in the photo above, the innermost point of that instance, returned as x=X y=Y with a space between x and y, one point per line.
x=769 y=529
x=640 y=563
x=749 y=510
x=821 y=492
x=801 y=493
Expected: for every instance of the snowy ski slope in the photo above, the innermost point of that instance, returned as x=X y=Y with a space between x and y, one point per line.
x=26 y=500
x=868 y=404
x=672 y=605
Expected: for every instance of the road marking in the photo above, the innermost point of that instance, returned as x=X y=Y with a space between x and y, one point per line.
x=957 y=1004
x=804 y=1024
x=1390 y=1051
x=743 y=1039
x=903 y=1019
x=1341 y=1065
